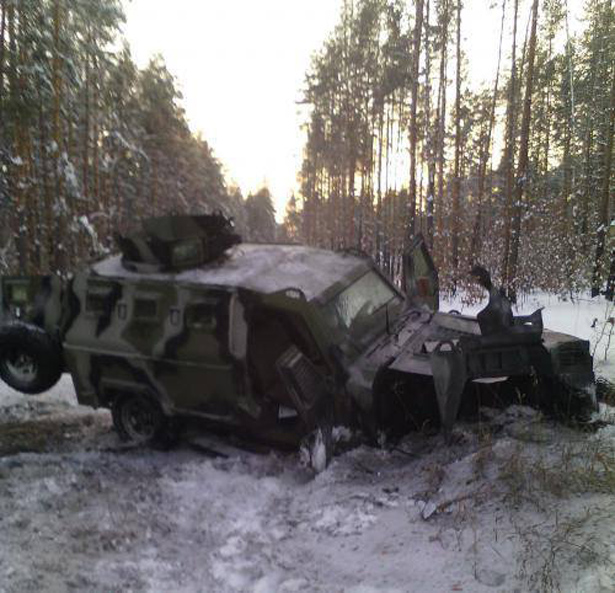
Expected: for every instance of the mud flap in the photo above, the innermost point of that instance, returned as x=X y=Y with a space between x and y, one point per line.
x=449 y=376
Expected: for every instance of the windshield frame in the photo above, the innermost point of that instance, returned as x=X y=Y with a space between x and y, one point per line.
x=393 y=307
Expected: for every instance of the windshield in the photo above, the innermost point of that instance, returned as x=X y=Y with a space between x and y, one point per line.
x=360 y=309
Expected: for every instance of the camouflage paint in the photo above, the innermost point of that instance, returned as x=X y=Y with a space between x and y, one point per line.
x=184 y=340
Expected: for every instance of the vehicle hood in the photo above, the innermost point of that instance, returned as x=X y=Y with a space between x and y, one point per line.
x=407 y=346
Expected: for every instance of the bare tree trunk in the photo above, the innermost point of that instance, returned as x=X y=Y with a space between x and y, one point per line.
x=588 y=186
x=605 y=197
x=439 y=210
x=416 y=54
x=2 y=39
x=351 y=202
x=15 y=183
x=5 y=218
x=62 y=250
x=485 y=161
x=509 y=155
x=570 y=128
x=429 y=137
x=522 y=169
x=388 y=232
x=566 y=211
x=46 y=248
x=457 y=171
x=96 y=132
x=23 y=151
x=587 y=189
x=379 y=185
x=610 y=284
x=86 y=123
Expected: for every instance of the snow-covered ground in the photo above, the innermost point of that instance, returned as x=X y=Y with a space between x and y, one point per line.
x=517 y=503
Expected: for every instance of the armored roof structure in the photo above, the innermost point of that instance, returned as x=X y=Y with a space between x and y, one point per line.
x=265 y=268
x=176 y=243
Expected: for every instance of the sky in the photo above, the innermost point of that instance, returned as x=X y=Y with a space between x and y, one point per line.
x=241 y=66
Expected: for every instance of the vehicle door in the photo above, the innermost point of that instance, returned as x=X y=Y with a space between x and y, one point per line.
x=420 y=276
x=196 y=366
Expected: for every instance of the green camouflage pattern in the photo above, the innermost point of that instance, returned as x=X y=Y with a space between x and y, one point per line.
x=183 y=342
x=207 y=341
x=33 y=299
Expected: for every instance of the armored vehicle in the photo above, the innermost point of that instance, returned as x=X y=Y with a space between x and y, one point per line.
x=279 y=341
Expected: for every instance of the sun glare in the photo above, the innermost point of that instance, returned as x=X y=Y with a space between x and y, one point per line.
x=241 y=67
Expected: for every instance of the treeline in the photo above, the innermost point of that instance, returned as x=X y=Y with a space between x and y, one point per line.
x=89 y=143
x=517 y=175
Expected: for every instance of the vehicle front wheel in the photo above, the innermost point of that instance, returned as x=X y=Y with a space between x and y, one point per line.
x=139 y=419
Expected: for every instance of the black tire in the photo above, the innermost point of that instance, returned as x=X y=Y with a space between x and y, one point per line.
x=138 y=418
x=30 y=359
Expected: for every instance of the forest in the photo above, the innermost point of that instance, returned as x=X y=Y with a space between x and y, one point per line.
x=517 y=175
x=89 y=143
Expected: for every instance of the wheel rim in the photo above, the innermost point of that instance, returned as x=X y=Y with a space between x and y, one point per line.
x=21 y=366
x=139 y=419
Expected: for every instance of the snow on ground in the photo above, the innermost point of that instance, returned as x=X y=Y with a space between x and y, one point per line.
x=515 y=504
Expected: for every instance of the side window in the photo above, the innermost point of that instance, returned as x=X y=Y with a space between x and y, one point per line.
x=98 y=297
x=16 y=293
x=17 y=297
x=201 y=316
x=95 y=301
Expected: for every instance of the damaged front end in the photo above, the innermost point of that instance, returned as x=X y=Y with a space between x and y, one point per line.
x=538 y=367
x=435 y=366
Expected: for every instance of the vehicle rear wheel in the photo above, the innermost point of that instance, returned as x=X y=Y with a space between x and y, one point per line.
x=30 y=359
x=139 y=419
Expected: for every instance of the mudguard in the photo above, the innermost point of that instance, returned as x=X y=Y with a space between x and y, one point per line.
x=449 y=376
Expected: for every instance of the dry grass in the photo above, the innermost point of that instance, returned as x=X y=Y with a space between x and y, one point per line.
x=43 y=434
x=537 y=478
x=586 y=467
x=605 y=391
x=551 y=545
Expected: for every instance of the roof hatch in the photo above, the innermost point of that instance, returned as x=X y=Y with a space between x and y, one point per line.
x=169 y=243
